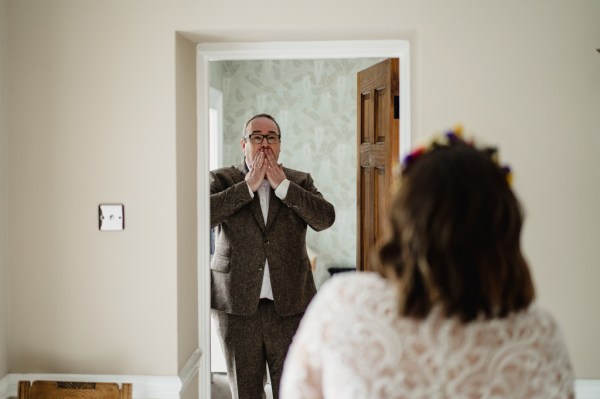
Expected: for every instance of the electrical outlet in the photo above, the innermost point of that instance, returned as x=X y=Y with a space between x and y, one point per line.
x=111 y=217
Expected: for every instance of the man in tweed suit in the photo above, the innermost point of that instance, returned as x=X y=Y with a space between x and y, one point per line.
x=261 y=278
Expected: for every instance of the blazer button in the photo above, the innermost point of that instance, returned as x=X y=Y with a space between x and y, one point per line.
x=260 y=269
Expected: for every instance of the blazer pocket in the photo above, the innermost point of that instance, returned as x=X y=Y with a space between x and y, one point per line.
x=221 y=259
x=220 y=264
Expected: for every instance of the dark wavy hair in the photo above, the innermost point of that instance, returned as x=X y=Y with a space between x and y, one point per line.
x=454 y=236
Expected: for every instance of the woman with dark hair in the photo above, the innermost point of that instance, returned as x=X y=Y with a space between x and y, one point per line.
x=449 y=312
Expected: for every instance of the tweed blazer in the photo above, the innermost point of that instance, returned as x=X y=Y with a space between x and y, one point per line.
x=243 y=242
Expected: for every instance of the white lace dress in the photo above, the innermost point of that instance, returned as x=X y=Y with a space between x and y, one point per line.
x=352 y=344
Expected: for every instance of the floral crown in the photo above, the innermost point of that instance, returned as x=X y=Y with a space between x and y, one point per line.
x=449 y=139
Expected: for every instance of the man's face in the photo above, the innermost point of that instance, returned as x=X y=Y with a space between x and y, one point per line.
x=264 y=127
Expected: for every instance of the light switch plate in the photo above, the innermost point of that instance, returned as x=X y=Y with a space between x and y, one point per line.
x=111 y=217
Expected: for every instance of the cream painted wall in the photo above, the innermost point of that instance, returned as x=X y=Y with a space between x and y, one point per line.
x=93 y=117
x=3 y=190
x=92 y=105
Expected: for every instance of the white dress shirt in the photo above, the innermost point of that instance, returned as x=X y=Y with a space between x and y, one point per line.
x=266 y=290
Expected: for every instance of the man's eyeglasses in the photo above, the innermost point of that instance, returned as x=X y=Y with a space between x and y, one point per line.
x=258 y=138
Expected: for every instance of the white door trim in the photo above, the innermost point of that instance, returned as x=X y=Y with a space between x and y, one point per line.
x=207 y=52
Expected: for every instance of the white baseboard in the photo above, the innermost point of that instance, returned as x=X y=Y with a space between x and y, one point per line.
x=587 y=389
x=143 y=387
x=4 y=387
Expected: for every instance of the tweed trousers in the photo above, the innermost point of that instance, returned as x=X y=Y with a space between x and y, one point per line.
x=253 y=343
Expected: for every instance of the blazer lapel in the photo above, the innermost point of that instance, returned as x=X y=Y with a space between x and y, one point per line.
x=274 y=207
x=274 y=204
x=255 y=206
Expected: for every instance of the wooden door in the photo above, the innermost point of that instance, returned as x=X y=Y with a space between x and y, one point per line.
x=378 y=151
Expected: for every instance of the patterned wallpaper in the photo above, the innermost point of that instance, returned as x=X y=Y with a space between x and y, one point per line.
x=314 y=102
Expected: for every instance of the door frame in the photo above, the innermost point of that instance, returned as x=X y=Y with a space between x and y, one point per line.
x=206 y=52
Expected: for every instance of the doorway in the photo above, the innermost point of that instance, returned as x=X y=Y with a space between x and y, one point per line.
x=270 y=51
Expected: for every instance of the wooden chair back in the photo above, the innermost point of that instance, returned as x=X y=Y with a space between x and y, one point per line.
x=73 y=390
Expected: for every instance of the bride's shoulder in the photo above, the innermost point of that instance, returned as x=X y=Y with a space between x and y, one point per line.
x=352 y=285
x=356 y=279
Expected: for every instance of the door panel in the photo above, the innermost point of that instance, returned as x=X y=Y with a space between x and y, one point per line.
x=378 y=148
